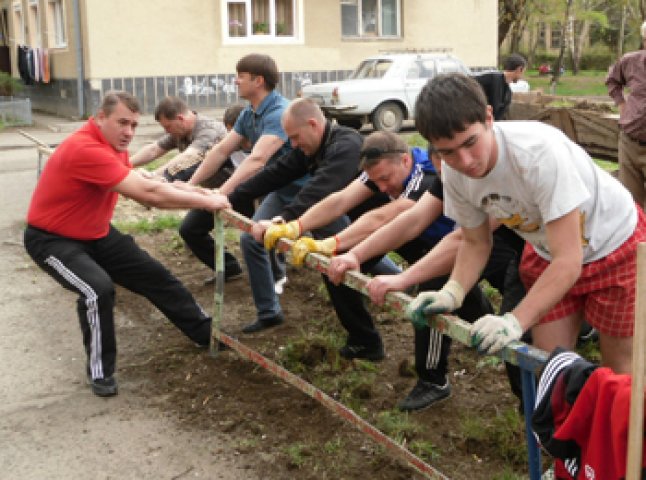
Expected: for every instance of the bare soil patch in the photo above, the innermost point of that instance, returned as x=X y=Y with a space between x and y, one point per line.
x=277 y=431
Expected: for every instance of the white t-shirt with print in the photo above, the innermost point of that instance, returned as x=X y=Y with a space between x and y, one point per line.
x=539 y=176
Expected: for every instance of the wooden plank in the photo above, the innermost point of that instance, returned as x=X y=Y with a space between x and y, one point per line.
x=636 y=422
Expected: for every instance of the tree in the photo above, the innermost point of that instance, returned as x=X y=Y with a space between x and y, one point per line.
x=510 y=13
x=583 y=14
x=556 y=73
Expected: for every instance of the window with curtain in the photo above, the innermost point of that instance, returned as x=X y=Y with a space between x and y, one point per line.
x=259 y=19
x=55 y=20
x=370 y=18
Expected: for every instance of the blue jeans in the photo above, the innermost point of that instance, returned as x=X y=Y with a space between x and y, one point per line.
x=260 y=268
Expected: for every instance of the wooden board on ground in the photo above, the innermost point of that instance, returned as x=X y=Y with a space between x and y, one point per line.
x=589 y=124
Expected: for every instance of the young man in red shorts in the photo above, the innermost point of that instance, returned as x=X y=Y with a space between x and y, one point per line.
x=581 y=226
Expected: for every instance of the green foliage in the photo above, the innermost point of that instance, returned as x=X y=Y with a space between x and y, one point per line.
x=607 y=165
x=260 y=27
x=175 y=244
x=586 y=83
x=489 y=361
x=507 y=474
x=334 y=446
x=9 y=85
x=416 y=140
x=424 y=449
x=155 y=164
x=157 y=224
x=397 y=425
x=504 y=432
x=590 y=351
x=296 y=454
x=309 y=352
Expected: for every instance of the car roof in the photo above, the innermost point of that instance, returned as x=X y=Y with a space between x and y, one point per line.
x=394 y=56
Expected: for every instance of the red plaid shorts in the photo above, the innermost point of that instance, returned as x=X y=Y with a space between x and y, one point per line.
x=605 y=291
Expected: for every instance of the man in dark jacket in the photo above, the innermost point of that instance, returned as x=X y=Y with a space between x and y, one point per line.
x=496 y=84
x=330 y=155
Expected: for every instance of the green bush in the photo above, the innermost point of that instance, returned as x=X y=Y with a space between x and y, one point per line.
x=9 y=85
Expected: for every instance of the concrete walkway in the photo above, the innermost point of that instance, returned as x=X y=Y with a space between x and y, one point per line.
x=51 y=425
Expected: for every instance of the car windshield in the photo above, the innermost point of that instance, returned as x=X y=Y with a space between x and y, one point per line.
x=371 y=69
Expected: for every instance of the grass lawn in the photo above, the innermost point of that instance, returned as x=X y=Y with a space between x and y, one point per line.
x=585 y=83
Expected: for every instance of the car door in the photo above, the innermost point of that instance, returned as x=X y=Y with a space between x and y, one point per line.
x=420 y=70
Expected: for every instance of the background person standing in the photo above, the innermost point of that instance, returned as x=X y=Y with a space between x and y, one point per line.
x=630 y=72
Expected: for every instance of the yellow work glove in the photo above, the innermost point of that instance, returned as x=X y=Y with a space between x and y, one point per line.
x=306 y=245
x=291 y=230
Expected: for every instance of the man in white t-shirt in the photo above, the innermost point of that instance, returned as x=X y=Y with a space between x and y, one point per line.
x=580 y=225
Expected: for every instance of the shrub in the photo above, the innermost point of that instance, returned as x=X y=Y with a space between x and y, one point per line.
x=9 y=85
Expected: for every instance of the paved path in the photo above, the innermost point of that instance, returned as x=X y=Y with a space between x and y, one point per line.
x=51 y=425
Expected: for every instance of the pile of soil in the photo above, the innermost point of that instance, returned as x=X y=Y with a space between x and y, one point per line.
x=279 y=432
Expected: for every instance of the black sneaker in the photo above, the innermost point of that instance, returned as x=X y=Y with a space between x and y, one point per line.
x=374 y=353
x=423 y=395
x=231 y=272
x=262 y=324
x=104 y=387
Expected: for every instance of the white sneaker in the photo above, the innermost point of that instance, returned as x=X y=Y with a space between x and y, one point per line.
x=279 y=286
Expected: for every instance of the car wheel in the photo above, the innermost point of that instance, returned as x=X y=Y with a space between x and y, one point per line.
x=388 y=117
x=352 y=122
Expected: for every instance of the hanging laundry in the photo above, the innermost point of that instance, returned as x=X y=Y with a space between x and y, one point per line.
x=23 y=64
x=36 y=64
x=45 y=63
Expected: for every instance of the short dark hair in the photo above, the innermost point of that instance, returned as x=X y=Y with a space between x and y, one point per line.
x=380 y=146
x=513 y=61
x=113 y=97
x=231 y=114
x=169 y=108
x=258 y=64
x=449 y=103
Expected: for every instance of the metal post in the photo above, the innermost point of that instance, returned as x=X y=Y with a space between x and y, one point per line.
x=529 y=397
x=80 y=66
x=218 y=304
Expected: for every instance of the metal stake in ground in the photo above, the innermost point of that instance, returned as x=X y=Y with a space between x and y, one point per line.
x=636 y=422
x=218 y=300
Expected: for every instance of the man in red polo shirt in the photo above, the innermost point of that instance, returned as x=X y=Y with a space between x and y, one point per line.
x=69 y=234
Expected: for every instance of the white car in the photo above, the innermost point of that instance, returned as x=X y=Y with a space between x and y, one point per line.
x=382 y=90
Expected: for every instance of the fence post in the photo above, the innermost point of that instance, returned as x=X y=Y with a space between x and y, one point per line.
x=218 y=304
x=636 y=420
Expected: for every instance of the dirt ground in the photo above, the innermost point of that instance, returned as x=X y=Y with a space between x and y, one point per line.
x=183 y=414
x=279 y=432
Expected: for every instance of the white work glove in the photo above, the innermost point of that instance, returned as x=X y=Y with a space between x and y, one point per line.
x=492 y=333
x=446 y=300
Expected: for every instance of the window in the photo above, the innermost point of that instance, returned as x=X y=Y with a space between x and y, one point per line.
x=540 y=42
x=56 y=34
x=18 y=24
x=35 y=40
x=555 y=41
x=261 y=20
x=372 y=69
x=370 y=18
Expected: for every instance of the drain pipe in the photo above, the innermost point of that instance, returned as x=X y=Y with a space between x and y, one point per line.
x=80 y=67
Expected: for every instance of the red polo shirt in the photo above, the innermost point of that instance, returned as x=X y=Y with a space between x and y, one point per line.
x=74 y=197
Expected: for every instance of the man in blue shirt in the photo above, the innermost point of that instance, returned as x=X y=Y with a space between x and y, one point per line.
x=258 y=124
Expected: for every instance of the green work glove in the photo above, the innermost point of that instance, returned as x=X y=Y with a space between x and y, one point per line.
x=446 y=300
x=276 y=231
x=306 y=245
x=492 y=333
